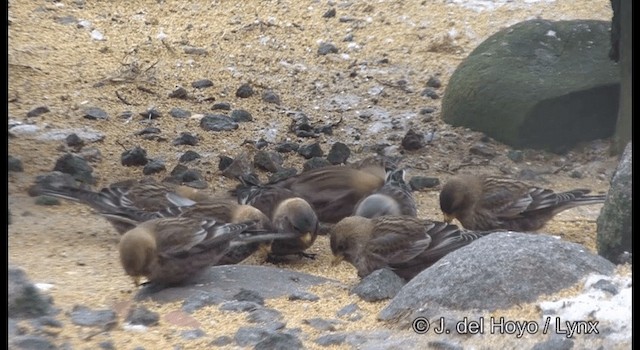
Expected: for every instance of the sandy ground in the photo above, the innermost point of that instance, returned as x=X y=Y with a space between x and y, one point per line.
x=272 y=45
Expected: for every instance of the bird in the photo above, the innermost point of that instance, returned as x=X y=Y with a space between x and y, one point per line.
x=332 y=191
x=404 y=244
x=393 y=198
x=167 y=251
x=294 y=215
x=482 y=202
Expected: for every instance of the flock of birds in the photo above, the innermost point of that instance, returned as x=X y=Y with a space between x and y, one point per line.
x=170 y=232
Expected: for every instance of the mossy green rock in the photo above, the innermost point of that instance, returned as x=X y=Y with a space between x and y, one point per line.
x=538 y=84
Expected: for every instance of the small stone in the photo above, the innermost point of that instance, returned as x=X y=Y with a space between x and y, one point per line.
x=224 y=162
x=244 y=91
x=269 y=161
x=178 y=171
x=321 y=324
x=140 y=315
x=576 y=174
x=191 y=176
x=107 y=345
x=270 y=96
x=153 y=167
x=287 y=147
x=261 y=143
x=224 y=106
x=330 y=13
x=239 y=306
x=47 y=200
x=91 y=154
x=217 y=122
x=179 y=113
x=607 y=286
x=241 y=116
x=202 y=83
x=134 y=157
x=327 y=48
x=15 y=165
x=192 y=334
x=303 y=296
x=180 y=93
x=84 y=316
x=185 y=138
x=151 y=113
x=351 y=312
x=348 y=38
x=249 y=336
x=339 y=153
x=482 y=149
x=419 y=182
x=516 y=156
x=379 y=285
x=24 y=300
x=189 y=156
x=331 y=339
x=95 y=113
x=427 y=110
x=431 y=93
x=264 y=316
x=190 y=50
x=73 y=140
x=148 y=131
x=434 y=82
x=279 y=341
x=249 y=295
x=31 y=342
x=310 y=151
x=282 y=174
x=76 y=167
x=413 y=140
x=222 y=341
x=37 y=111
x=315 y=162
x=97 y=35
x=199 y=300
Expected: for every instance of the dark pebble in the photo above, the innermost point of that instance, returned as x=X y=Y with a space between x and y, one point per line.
x=576 y=174
x=269 y=161
x=279 y=341
x=427 y=110
x=224 y=106
x=140 y=315
x=483 y=150
x=217 y=122
x=76 y=167
x=202 y=83
x=179 y=113
x=83 y=316
x=148 y=131
x=178 y=171
x=330 y=13
x=191 y=175
x=249 y=336
x=244 y=91
x=282 y=174
x=419 y=182
x=331 y=339
x=324 y=129
x=264 y=316
x=270 y=96
x=287 y=147
x=190 y=50
x=412 y=140
x=153 y=167
x=262 y=143
x=379 y=285
x=321 y=324
x=134 y=157
x=95 y=113
x=186 y=138
x=107 y=345
x=222 y=341
x=310 y=151
x=37 y=111
x=239 y=306
x=315 y=162
x=434 y=82
x=606 y=286
x=224 y=162
x=327 y=48
x=73 y=140
x=15 y=164
x=189 y=156
x=351 y=312
x=431 y=93
x=151 y=114
x=249 y=295
x=303 y=296
x=199 y=300
x=516 y=156
x=241 y=116
x=33 y=342
x=180 y=93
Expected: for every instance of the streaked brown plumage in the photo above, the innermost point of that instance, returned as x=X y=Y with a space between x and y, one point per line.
x=332 y=191
x=294 y=215
x=394 y=198
x=488 y=203
x=170 y=250
x=404 y=244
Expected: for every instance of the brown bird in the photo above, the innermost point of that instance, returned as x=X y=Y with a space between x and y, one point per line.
x=394 y=198
x=332 y=191
x=404 y=244
x=488 y=203
x=169 y=250
x=294 y=215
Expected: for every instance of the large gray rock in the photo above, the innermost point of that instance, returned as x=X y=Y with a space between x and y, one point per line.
x=496 y=271
x=614 y=222
x=24 y=299
x=538 y=84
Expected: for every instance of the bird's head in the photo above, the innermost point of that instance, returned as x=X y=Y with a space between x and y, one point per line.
x=348 y=237
x=296 y=215
x=456 y=197
x=247 y=212
x=137 y=253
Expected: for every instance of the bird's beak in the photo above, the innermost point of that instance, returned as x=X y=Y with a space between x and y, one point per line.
x=337 y=260
x=307 y=238
x=448 y=218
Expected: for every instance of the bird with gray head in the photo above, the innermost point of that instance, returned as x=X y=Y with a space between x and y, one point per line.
x=294 y=215
x=393 y=198
x=404 y=244
x=482 y=202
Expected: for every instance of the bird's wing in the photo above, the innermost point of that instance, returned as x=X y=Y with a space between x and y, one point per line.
x=447 y=238
x=505 y=198
x=398 y=238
